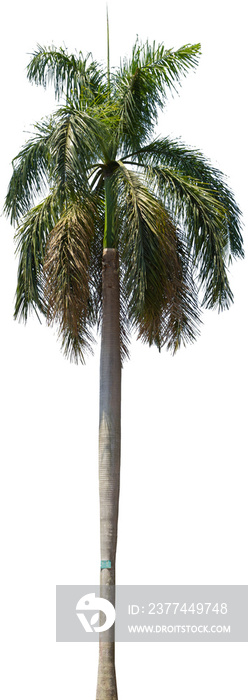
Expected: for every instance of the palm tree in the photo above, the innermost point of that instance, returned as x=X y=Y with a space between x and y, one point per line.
x=132 y=229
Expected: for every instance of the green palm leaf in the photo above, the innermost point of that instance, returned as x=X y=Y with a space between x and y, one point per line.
x=31 y=169
x=156 y=275
x=31 y=240
x=194 y=206
x=78 y=140
x=74 y=76
x=192 y=164
x=142 y=85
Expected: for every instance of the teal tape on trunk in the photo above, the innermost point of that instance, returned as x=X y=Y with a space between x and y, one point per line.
x=105 y=564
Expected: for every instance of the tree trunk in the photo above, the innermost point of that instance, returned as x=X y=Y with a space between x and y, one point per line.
x=109 y=460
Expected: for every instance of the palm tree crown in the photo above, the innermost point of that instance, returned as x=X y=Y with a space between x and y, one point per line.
x=107 y=182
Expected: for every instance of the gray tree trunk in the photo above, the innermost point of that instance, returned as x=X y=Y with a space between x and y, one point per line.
x=109 y=460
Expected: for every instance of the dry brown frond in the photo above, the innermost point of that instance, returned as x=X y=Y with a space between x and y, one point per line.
x=66 y=276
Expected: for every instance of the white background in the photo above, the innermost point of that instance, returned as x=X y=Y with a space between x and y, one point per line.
x=183 y=516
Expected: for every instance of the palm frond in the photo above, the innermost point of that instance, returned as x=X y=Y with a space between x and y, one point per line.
x=30 y=173
x=142 y=84
x=180 y=317
x=194 y=206
x=136 y=211
x=67 y=282
x=159 y=303
x=77 y=141
x=31 y=241
x=192 y=164
x=79 y=80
